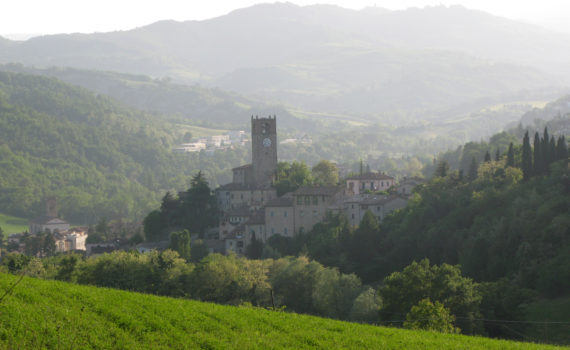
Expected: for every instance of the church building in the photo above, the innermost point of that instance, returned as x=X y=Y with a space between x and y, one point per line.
x=251 y=188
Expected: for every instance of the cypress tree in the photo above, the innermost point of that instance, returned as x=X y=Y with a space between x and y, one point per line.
x=487 y=157
x=511 y=156
x=497 y=155
x=551 y=151
x=545 y=151
x=561 y=149
x=473 y=169
x=526 y=157
x=537 y=155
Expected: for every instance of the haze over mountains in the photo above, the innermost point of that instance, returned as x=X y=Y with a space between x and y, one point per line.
x=374 y=63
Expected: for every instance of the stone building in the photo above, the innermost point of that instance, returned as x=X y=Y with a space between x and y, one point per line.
x=407 y=185
x=49 y=222
x=369 y=182
x=355 y=207
x=311 y=203
x=280 y=217
x=70 y=240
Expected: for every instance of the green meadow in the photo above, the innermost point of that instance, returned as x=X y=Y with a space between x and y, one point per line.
x=12 y=224
x=50 y=314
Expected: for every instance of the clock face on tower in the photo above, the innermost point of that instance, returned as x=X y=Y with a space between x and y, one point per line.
x=266 y=142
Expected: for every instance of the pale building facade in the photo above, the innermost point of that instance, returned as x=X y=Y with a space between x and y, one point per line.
x=73 y=239
x=280 y=217
x=311 y=203
x=47 y=223
x=369 y=182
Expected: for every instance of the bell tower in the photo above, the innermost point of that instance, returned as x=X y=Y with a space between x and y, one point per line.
x=263 y=150
x=51 y=207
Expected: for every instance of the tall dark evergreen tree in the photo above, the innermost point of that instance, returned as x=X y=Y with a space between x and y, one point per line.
x=511 y=156
x=487 y=157
x=537 y=155
x=561 y=149
x=545 y=151
x=552 y=150
x=255 y=248
x=497 y=155
x=526 y=157
x=473 y=169
x=199 y=205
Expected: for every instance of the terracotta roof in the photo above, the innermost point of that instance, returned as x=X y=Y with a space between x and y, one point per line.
x=44 y=219
x=283 y=201
x=370 y=199
x=243 y=167
x=239 y=187
x=371 y=176
x=318 y=190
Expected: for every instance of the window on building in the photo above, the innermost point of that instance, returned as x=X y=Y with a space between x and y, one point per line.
x=352 y=215
x=241 y=196
x=301 y=213
x=382 y=183
x=315 y=200
x=240 y=244
x=372 y=185
x=299 y=200
x=307 y=200
x=363 y=185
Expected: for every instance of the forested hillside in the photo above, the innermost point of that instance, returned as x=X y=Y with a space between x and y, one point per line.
x=98 y=157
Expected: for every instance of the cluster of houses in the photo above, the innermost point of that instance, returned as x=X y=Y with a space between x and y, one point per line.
x=210 y=144
x=249 y=206
x=66 y=238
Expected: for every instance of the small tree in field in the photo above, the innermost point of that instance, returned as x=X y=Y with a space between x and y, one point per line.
x=432 y=317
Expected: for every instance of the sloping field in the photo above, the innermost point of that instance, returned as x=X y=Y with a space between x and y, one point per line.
x=12 y=224
x=38 y=314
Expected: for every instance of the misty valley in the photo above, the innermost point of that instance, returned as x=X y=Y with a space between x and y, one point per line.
x=400 y=174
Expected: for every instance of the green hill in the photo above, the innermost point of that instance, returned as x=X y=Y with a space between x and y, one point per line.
x=37 y=314
x=97 y=156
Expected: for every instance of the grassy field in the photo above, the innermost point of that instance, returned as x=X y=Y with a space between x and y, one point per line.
x=198 y=131
x=12 y=224
x=51 y=314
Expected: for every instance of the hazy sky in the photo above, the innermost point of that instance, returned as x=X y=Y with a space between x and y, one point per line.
x=87 y=16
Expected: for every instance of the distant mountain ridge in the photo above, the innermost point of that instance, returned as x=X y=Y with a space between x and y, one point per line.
x=325 y=57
